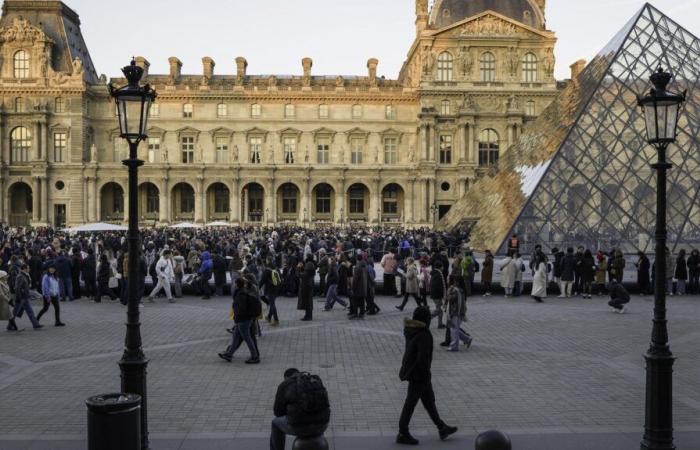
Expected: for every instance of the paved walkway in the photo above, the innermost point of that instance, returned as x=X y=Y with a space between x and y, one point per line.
x=567 y=374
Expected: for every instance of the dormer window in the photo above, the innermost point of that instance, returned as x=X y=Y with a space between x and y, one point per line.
x=21 y=64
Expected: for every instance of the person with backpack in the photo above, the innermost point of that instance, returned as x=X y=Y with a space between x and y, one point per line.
x=301 y=408
x=270 y=283
x=416 y=369
x=246 y=308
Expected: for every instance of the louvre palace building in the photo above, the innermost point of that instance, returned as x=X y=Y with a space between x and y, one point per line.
x=303 y=148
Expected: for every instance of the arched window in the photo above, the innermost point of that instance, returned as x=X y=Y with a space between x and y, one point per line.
x=19 y=104
x=445 y=109
x=488 y=147
x=20 y=144
x=487 y=66
x=445 y=66
x=21 y=64
x=529 y=68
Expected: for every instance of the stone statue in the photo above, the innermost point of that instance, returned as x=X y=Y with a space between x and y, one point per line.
x=411 y=155
x=93 y=153
x=549 y=62
x=165 y=154
x=77 y=66
x=512 y=61
x=306 y=155
x=467 y=62
x=234 y=154
x=200 y=154
x=468 y=103
x=376 y=155
x=428 y=62
x=43 y=64
x=513 y=103
x=271 y=156
x=339 y=81
x=271 y=81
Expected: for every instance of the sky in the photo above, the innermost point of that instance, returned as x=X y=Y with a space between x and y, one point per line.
x=339 y=35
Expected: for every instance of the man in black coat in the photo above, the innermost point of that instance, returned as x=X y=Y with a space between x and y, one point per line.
x=22 y=303
x=89 y=272
x=219 y=264
x=415 y=368
x=290 y=418
x=619 y=297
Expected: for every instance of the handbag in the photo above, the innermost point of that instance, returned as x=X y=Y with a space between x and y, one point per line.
x=113 y=283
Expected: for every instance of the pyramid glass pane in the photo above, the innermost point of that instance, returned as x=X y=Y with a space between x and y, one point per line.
x=580 y=174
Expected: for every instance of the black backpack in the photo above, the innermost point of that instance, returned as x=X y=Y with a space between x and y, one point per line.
x=312 y=395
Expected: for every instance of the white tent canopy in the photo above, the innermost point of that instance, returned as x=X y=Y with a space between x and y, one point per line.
x=219 y=223
x=95 y=227
x=185 y=225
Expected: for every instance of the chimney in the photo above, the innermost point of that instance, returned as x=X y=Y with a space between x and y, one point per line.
x=421 y=16
x=175 y=68
x=208 y=67
x=372 y=64
x=307 y=63
x=577 y=68
x=144 y=64
x=241 y=67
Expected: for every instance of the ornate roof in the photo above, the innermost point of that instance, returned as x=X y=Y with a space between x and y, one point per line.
x=447 y=12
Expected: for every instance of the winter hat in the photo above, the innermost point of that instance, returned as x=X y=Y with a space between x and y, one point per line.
x=422 y=314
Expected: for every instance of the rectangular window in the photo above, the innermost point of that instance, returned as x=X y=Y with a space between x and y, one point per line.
x=221 y=110
x=290 y=147
x=390 y=112
x=390 y=202
x=59 y=105
x=152 y=200
x=60 y=141
x=390 y=145
x=221 y=201
x=356 y=150
x=187 y=110
x=153 y=149
x=289 y=111
x=222 y=150
x=445 y=149
x=357 y=201
x=357 y=111
x=323 y=151
x=323 y=202
x=255 y=150
x=154 y=111
x=323 y=112
x=255 y=110
x=187 y=145
x=19 y=104
x=530 y=108
x=445 y=108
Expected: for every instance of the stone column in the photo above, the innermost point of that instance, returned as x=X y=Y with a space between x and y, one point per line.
x=36 y=143
x=374 y=202
x=164 y=202
x=424 y=142
x=199 y=201
x=45 y=143
x=45 y=200
x=234 y=201
x=473 y=157
x=409 y=202
x=511 y=133
x=306 y=201
x=464 y=144
x=340 y=202
x=126 y=202
x=4 y=217
x=92 y=199
x=36 y=200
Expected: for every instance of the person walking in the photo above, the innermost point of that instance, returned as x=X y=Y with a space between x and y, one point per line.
x=332 y=280
x=587 y=272
x=694 y=271
x=76 y=263
x=22 y=286
x=246 y=308
x=681 y=272
x=178 y=272
x=104 y=273
x=487 y=273
x=306 y=273
x=416 y=369
x=412 y=284
x=6 y=303
x=64 y=276
x=359 y=288
x=438 y=289
x=578 y=272
x=519 y=269
x=643 y=267
x=164 y=275
x=539 y=280
x=670 y=271
x=389 y=264
x=456 y=309
x=568 y=271
x=508 y=273
x=270 y=282
x=323 y=263
x=50 y=289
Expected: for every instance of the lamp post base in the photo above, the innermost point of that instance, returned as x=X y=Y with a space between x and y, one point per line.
x=133 y=375
x=658 y=430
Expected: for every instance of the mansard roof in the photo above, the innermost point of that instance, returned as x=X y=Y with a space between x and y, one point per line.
x=447 y=12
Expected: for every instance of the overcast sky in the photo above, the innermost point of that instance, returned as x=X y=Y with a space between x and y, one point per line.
x=339 y=35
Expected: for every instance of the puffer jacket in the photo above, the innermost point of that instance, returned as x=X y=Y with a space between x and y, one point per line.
x=418 y=356
x=205 y=270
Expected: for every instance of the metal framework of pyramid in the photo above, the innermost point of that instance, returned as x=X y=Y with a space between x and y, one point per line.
x=580 y=174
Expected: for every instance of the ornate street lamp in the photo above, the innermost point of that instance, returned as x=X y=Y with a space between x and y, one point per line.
x=661 y=112
x=133 y=105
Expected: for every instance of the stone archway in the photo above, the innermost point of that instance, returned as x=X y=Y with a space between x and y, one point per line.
x=323 y=203
x=289 y=203
x=392 y=206
x=112 y=203
x=183 y=201
x=20 y=205
x=218 y=202
x=253 y=203
x=358 y=203
x=149 y=202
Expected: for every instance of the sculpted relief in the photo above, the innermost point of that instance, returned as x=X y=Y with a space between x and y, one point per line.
x=488 y=26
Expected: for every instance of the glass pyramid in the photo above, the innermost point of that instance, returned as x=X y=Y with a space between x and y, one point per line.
x=580 y=174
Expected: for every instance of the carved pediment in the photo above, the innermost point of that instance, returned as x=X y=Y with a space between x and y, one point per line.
x=324 y=132
x=21 y=31
x=221 y=131
x=391 y=133
x=491 y=24
x=188 y=131
x=255 y=131
x=289 y=132
x=357 y=133
x=156 y=131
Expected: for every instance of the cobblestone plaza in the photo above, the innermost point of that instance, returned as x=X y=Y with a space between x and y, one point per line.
x=568 y=369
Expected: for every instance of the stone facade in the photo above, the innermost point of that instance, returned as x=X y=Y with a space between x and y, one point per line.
x=247 y=148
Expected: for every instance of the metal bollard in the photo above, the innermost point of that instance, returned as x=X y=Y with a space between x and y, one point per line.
x=310 y=443
x=492 y=440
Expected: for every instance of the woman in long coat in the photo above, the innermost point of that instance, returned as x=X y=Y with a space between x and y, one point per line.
x=306 y=274
x=508 y=274
x=487 y=273
x=539 y=281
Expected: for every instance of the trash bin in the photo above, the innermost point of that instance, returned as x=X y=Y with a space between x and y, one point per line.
x=114 y=422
